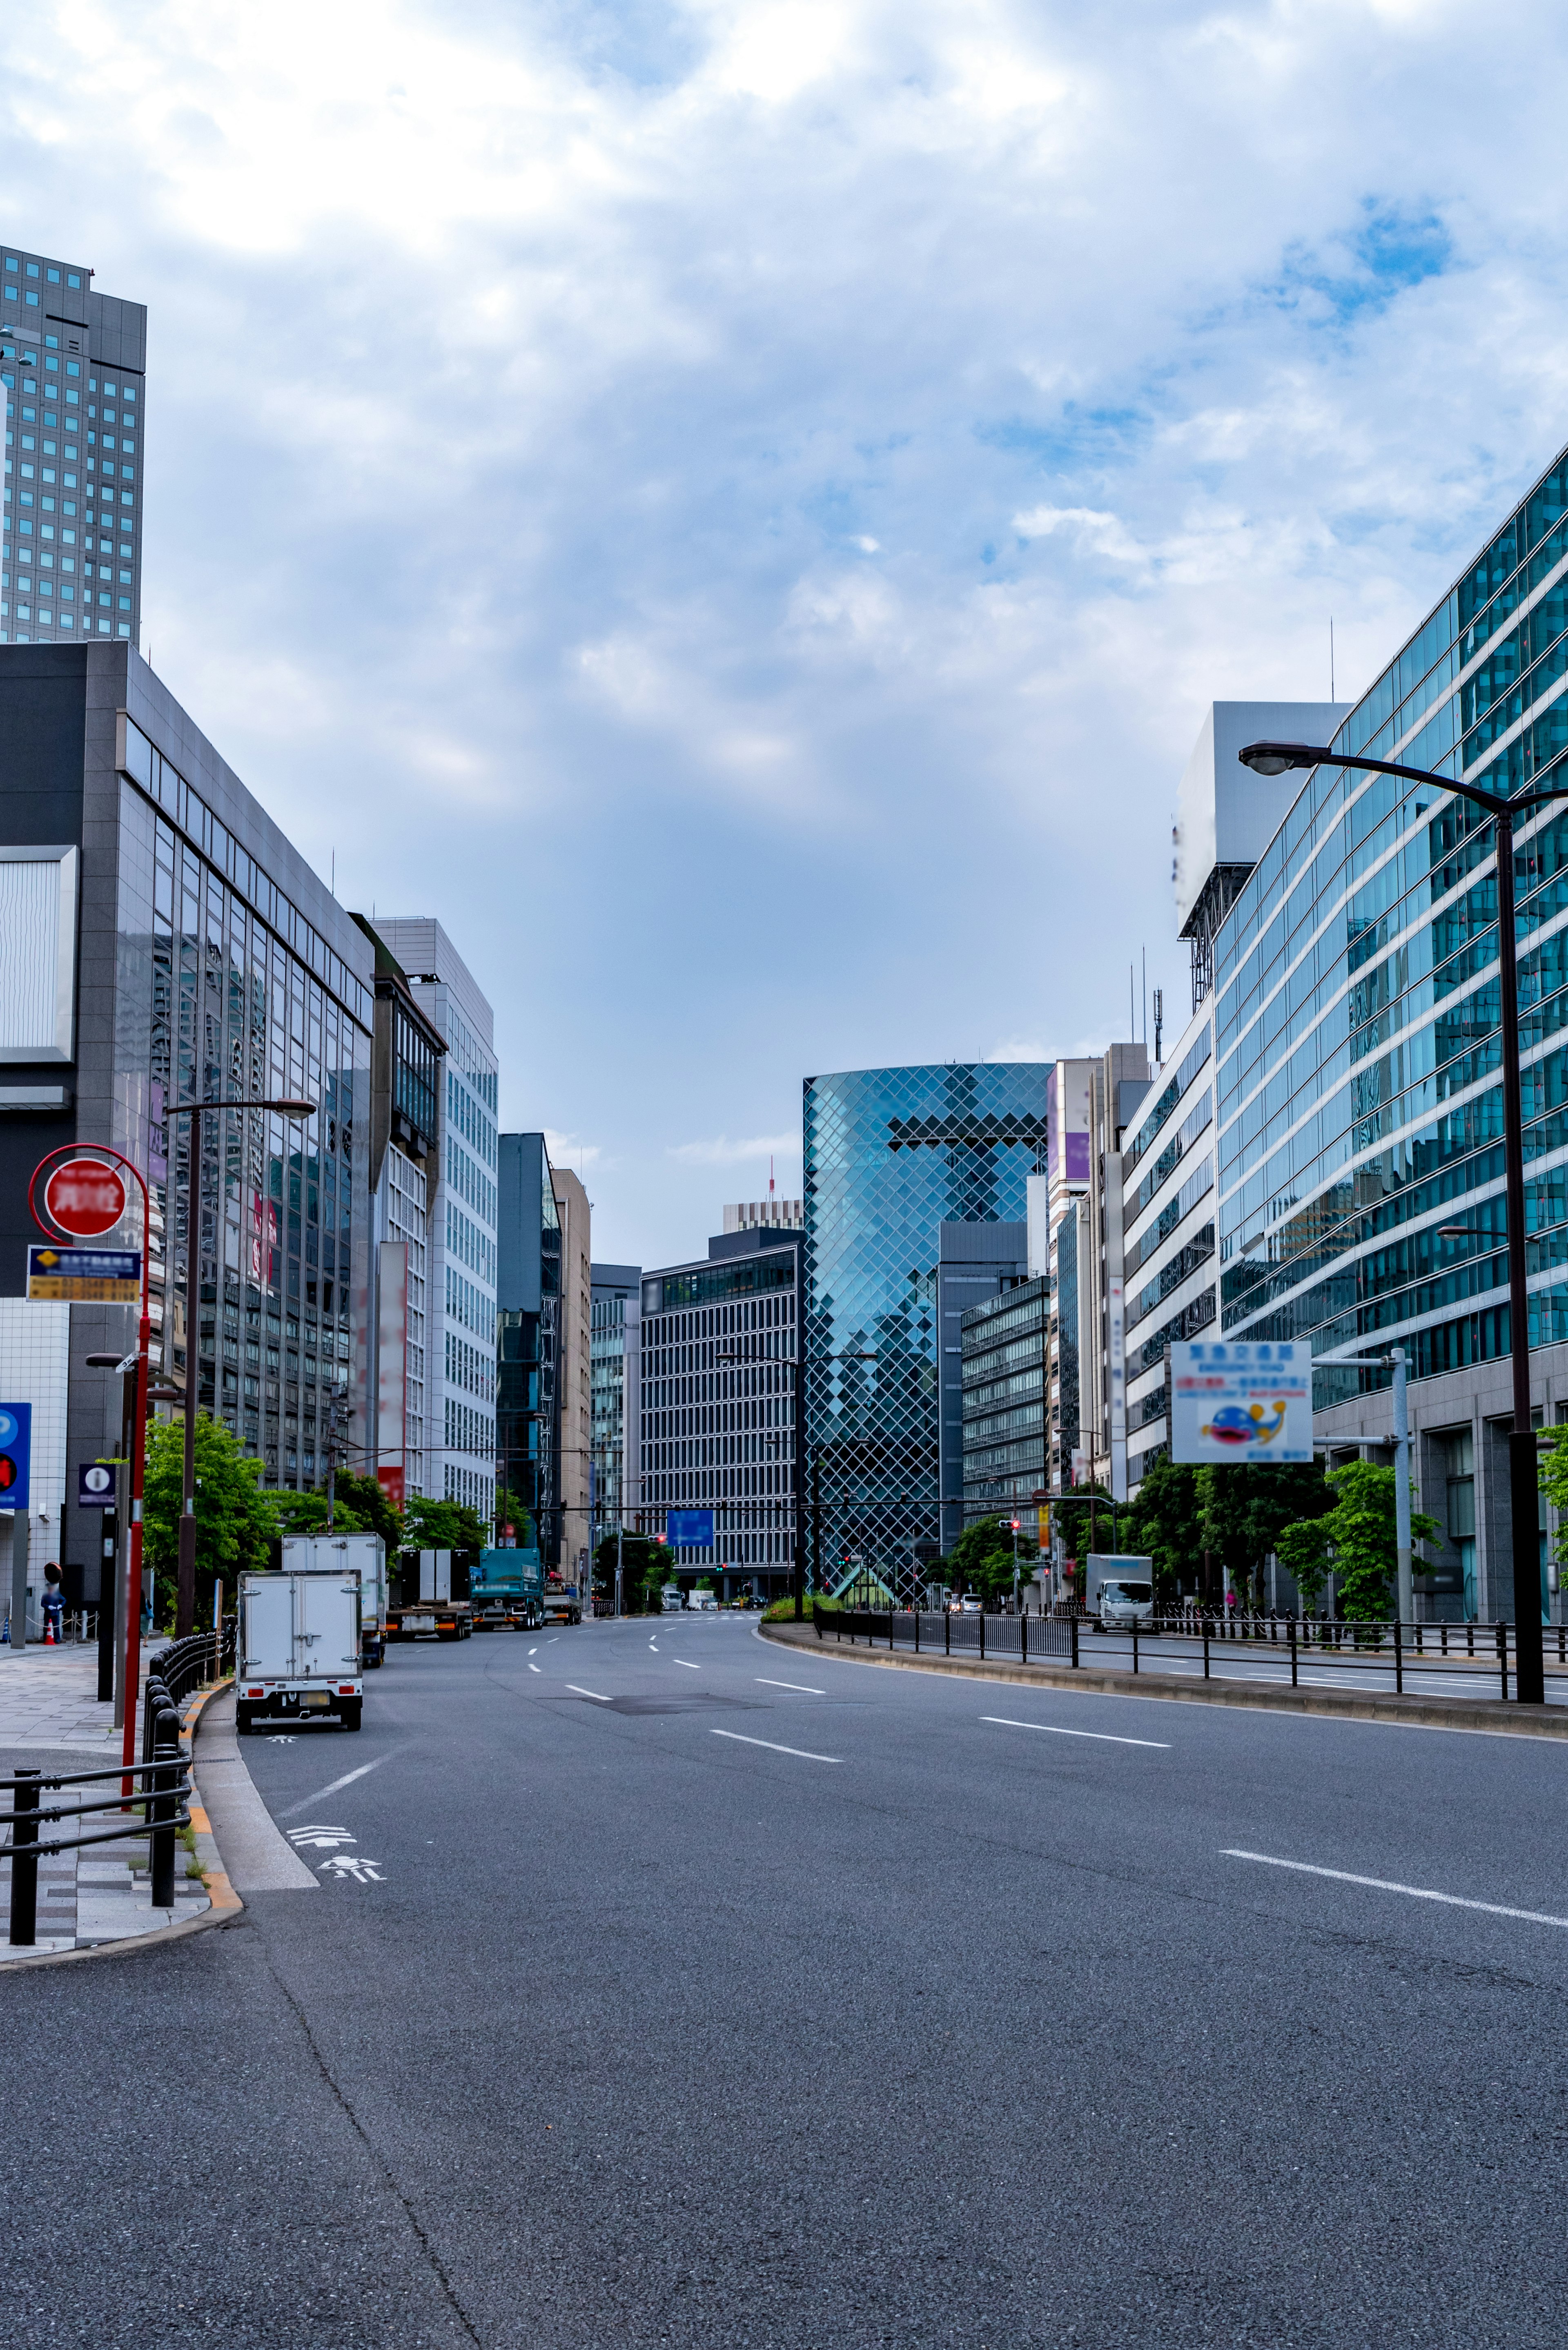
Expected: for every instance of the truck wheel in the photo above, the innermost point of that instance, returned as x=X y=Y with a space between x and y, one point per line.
x=353 y=1712
x=244 y=1717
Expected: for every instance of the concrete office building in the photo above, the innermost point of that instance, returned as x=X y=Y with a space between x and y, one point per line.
x=973 y=1262
x=1006 y=1392
x=574 y=1381
x=1359 y=1168
x=777 y=1215
x=460 y=1350
x=891 y=1155
x=528 y=1299
x=616 y=1312
x=160 y=942
x=716 y=1404
x=73 y=365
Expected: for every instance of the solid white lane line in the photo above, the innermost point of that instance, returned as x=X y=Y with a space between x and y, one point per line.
x=347 y=1780
x=798 y=1751
x=1105 y=1737
x=534 y=1668
x=690 y=1666
x=794 y=1685
x=596 y=1698
x=1385 y=1885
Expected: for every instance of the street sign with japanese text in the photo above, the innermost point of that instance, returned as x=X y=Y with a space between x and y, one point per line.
x=86 y=1197
x=86 y=1276
x=1242 y=1401
x=690 y=1529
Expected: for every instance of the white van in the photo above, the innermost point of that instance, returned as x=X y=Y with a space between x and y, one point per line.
x=670 y=1600
x=704 y=1602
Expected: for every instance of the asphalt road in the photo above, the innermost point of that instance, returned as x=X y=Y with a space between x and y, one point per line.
x=648 y=1999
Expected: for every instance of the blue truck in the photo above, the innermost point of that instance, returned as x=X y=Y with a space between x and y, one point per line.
x=507 y=1590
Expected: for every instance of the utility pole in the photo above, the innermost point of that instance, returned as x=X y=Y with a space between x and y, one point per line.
x=1407 y=1598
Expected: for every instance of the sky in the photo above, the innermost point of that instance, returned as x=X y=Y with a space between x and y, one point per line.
x=738 y=508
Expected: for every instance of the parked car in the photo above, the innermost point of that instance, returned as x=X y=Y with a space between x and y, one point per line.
x=972 y=1604
x=702 y=1603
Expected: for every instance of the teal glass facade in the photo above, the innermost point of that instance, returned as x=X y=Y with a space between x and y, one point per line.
x=1358 y=1103
x=889 y=1156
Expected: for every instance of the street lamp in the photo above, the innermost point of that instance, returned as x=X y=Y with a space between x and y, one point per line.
x=185 y=1606
x=1276 y=759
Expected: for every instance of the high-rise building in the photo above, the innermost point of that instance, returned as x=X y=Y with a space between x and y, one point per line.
x=74 y=367
x=1356 y=1056
x=973 y=1262
x=162 y=942
x=745 y=1215
x=616 y=1313
x=574 y=1387
x=718 y=1361
x=890 y=1155
x=463 y=1218
x=1006 y=1373
x=528 y=1295
x=406 y=1091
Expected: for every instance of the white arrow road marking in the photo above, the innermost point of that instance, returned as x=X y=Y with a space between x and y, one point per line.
x=321 y=1838
x=593 y=1693
x=1385 y=1885
x=798 y=1751
x=1105 y=1736
x=274 y=1739
x=802 y=1686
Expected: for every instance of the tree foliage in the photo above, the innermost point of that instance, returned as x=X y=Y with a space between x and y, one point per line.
x=982 y=1558
x=1357 y=1539
x=512 y=1510
x=429 y=1524
x=236 y=1523
x=1086 y=1520
x=367 y=1500
x=1165 y=1522
x=1244 y=1508
x=305 y=1513
x=644 y=1568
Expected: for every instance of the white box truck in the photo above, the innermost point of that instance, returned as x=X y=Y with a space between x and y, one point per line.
x=296 y=1657
x=326 y=1553
x=1119 y=1591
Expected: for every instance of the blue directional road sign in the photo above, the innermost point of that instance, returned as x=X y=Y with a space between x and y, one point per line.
x=16 y=1454
x=690 y=1529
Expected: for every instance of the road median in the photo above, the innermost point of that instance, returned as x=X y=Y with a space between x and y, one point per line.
x=1489 y=1718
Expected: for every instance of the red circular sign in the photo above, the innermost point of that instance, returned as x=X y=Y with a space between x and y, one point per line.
x=85 y=1198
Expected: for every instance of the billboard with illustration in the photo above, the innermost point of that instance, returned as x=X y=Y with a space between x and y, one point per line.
x=1246 y=1400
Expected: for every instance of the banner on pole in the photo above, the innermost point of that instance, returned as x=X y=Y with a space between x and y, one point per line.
x=1244 y=1400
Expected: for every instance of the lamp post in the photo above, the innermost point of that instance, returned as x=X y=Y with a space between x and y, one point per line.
x=1276 y=759
x=186 y=1604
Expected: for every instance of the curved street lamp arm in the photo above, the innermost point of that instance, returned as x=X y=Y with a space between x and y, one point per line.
x=1318 y=754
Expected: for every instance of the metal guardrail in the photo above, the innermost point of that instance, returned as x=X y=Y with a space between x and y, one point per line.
x=1244 y=1648
x=163 y=1786
x=185 y=1665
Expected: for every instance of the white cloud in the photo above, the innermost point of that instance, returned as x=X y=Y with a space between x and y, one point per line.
x=720 y=1151
x=529 y=390
x=570 y=1151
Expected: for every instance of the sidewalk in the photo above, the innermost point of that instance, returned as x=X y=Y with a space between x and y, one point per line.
x=50 y=1720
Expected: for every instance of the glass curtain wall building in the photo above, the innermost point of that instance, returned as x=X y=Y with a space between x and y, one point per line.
x=1358 y=1103
x=890 y=1155
x=617 y=1295
x=73 y=364
x=461 y=1294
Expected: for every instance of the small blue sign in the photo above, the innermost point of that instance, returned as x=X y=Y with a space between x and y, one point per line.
x=16 y=1454
x=690 y=1529
x=96 y=1481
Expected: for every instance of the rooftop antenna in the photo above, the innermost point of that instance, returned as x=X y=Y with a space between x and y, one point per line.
x=1331 y=656
x=1145 y=954
x=1132 y=1013
x=1158 y=1027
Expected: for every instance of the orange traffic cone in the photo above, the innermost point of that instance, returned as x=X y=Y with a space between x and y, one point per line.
x=49 y=1632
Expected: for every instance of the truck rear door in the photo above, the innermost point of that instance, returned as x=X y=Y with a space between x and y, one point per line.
x=327 y=1626
x=266 y=1606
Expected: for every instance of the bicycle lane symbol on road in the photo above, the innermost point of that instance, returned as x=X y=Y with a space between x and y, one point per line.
x=319 y=1837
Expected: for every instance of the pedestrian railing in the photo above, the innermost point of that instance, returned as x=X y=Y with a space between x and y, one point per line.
x=160 y=1786
x=1468 y=1660
x=185 y=1665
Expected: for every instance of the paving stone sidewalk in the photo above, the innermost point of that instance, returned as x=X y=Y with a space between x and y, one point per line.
x=51 y=1720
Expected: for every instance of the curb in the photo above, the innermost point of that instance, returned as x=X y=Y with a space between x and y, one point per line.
x=226 y=1905
x=1254 y=1697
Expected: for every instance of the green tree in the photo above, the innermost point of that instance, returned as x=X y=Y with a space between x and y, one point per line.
x=1165 y=1522
x=643 y=1568
x=1244 y=1508
x=1357 y=1538
x=428 y=1524
x=235 y=1521
x=305 y=1513
x=1086 y=1520
x=374 y=1512
x=512 y=1510
x=982 y=1558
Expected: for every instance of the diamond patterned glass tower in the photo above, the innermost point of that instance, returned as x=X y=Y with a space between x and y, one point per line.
x=890 y=1154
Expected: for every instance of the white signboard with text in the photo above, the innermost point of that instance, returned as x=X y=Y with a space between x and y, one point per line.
x=1244 y=1402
